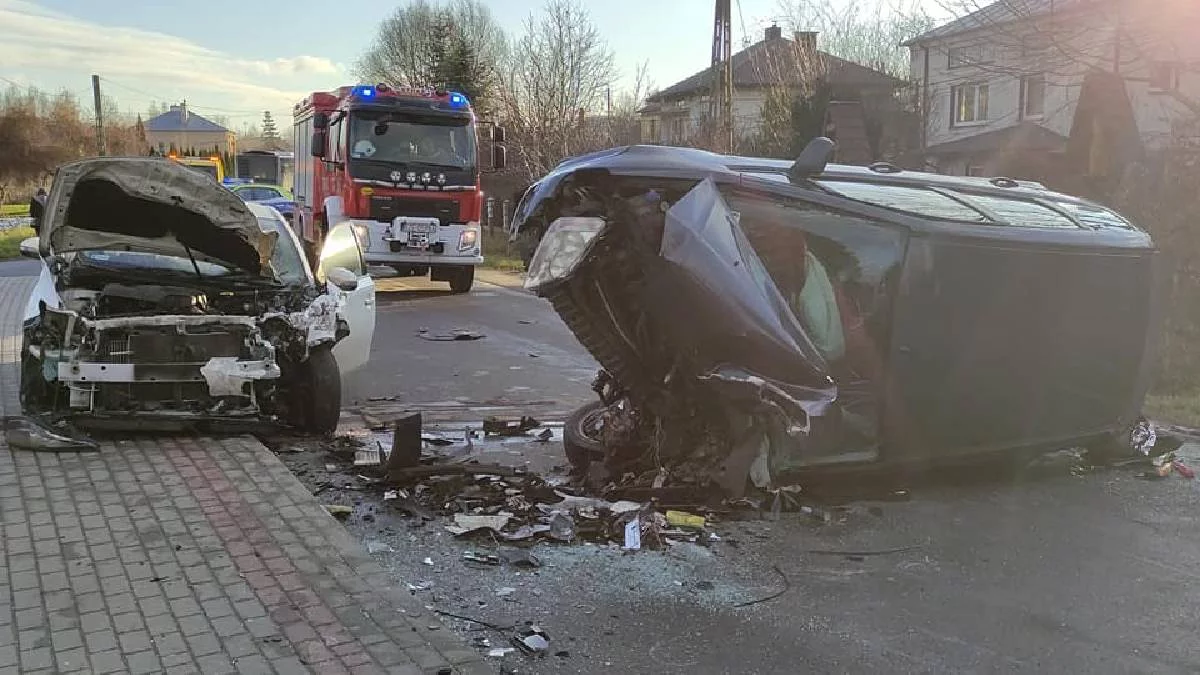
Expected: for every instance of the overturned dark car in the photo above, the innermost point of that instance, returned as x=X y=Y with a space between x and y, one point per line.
x=758 y=319
x=166 y=302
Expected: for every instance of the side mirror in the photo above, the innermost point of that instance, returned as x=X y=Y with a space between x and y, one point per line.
x=499 y=157
x=498 y=134
x=30 y=248
x=320 y=143
x=342 y=278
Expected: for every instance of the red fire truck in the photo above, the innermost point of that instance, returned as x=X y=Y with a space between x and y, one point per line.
x=400 y=164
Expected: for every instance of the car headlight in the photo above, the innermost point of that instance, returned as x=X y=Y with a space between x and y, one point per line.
x=562 y=248
x=468 y=239
x=363 y=234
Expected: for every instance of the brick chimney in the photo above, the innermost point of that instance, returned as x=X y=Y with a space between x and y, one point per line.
x=773 y=33
x=807 y=40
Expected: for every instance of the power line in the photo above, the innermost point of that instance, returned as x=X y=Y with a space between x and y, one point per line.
x=153 y=97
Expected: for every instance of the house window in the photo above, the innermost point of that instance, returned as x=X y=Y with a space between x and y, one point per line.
x=969 y=103
x=965 y=55
x=1033 y=96
x=1163 y=77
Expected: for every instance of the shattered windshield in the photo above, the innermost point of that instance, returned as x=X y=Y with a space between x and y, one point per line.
x=438 y=141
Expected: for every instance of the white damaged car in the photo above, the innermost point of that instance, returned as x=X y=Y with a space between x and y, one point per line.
x=166 y=302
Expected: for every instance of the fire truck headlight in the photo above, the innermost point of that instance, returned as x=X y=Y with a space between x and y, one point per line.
x=363 y=234
x=425 y=177
x=441 y=179
x=468 y=239
x=411 y=177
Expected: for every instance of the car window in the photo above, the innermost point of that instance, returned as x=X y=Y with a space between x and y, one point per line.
x=915 y=200
x=269 y=193
x=1095 y=216
x=340 y=250
x=286 y=259
x=152 y=261
x=1021 y=212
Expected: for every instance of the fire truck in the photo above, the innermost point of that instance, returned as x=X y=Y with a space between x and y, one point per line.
x=402 y=166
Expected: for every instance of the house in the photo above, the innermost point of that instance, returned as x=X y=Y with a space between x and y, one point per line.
x=1039 y=88
x=184 y=130
x=674 y=115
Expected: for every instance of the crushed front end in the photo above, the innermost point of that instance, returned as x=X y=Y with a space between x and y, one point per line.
x=163 y=356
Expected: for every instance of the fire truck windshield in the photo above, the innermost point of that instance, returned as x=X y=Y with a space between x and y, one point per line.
x=445 y=142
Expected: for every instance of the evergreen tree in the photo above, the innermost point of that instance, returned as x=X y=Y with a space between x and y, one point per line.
x=269 y=130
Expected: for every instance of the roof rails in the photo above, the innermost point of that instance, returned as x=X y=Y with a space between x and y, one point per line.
x=812 y=159
x=1002 y=182
x=884 y=167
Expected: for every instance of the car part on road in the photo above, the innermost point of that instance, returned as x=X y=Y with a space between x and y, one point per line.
x=760 y=320
x=458 y=335
x=30 y=434
x=495 y=426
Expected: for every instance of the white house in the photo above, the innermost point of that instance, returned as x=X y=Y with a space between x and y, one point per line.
x=673 y=115
x=1025 y=82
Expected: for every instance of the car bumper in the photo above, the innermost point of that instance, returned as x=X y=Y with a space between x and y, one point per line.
x=444 y=246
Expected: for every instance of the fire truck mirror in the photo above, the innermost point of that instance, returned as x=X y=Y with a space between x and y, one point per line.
x=498 y=134
x=499 y=157
x=319 y=143
x=320 y=120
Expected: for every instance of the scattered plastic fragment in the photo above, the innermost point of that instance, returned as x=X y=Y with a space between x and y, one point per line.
x=466 y=524
x=427 y=561
x=422 y=586
x=1183 y=469
x=633 y=534
x=378 y=547
x=480 y=558
x=505 y=591
x=519 y=557
x=562 y=527
x=500 y=652
x=390 y=495
x=338 y=510
x=533 y=640
x=685 y=519
x=457 y=335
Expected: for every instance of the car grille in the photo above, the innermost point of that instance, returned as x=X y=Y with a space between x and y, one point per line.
x=389 y=208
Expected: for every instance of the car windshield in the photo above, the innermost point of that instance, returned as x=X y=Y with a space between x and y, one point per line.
x=139 y=260
x=448 y=142
x=209 y=170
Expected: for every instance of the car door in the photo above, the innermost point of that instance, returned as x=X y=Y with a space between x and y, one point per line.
x=341 y=250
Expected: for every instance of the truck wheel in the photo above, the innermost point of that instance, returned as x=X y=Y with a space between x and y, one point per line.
x=581 y=430
x=322 y=392
x=462 y=279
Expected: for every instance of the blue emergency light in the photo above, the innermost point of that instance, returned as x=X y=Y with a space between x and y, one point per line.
x=364 y=91
x=457 y=100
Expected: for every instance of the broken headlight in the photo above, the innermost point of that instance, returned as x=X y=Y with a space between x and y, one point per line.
x=562 y=248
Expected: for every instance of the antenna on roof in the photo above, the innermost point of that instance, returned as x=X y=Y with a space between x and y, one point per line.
x=812 y=159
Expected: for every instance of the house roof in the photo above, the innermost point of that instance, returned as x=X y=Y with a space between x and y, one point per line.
x=179 y=118
x=999 y=12
x=756 y=66
x=1023 y=136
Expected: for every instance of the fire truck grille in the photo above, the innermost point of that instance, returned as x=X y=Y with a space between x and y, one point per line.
x=389 y=208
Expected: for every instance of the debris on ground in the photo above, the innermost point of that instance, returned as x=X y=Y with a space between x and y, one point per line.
x=532 y=640
x=456 y=335
x=466 y=524
x=32 y=434
x=480 y=558
x=339 y=510
x=379 y=547
x=495 y=426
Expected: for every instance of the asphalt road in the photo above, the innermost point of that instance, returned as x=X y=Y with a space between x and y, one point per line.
x=1042 y=571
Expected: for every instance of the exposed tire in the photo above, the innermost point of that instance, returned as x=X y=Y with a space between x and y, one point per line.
x=322 y=391
x=580 y=441
x=462 y=279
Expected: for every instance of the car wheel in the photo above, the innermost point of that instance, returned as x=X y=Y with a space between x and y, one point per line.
x=462 y=279
x=581 y=435
x=322 y=391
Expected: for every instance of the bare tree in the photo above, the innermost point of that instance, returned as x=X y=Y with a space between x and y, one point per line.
x=424 y=44
x=868 y=33
x=557 y=72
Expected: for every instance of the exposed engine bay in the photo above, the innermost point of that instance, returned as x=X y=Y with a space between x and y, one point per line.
x=167 y=310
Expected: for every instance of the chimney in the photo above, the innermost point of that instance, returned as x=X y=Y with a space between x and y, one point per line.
x=183 y=112
x=807 y=40
x=773 y=33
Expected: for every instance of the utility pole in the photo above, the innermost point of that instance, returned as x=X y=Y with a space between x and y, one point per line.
x=720 y=102
x=99 y=115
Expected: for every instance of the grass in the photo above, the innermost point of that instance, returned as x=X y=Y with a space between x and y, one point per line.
x=14 y=210
x=10 y=241
x=497 y=254
x=1182 y=409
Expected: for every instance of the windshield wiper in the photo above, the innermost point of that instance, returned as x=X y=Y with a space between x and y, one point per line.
x=193 y=259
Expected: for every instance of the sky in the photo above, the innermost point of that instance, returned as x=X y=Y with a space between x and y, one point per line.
x=234 y=59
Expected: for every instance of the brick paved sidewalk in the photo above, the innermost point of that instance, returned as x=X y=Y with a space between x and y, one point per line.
x=188 y=555
x=194 y=555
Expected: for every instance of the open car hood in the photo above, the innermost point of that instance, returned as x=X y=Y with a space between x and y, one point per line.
x=152 y=205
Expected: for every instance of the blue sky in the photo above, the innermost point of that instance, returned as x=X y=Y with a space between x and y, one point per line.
x=237 y=58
